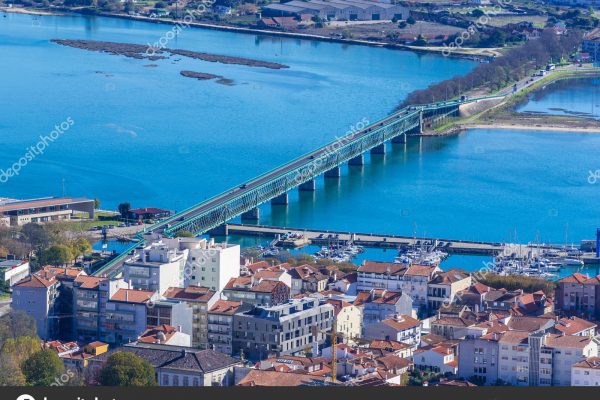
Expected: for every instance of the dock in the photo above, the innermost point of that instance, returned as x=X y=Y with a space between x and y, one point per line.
x=325 y=237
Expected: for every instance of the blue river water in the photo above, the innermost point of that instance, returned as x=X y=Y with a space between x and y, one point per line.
x=147 y=135
x=569 y=97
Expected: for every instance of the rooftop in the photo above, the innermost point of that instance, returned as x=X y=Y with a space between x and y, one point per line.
x=190 y=293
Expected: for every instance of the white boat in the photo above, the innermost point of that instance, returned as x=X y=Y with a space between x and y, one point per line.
x=571 y=261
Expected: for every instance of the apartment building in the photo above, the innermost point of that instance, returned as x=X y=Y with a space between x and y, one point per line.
x=37 y=296
x=156 y=267
x=199 y=300
x=586 y=372
x=124 y=316
x=307 y=279
x=442 y=289
x=579 y=294
x=220 y=325
x=440 y=358
x=288 y=329
x=256 y=291
x=211 y=264
x=348 y=319
x=46 y=295
x=524 y=358
x=380 y=304
x=401 y=328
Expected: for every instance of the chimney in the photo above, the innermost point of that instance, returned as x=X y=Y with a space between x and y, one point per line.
x=126 y=295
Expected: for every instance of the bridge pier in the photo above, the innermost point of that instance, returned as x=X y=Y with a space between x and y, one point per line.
x=358 y=160
x=308 y=186
x=379 y=149
x=251 y=215
x=221 y=230
x=399 y=139
x=281 y=200
x=334 y=172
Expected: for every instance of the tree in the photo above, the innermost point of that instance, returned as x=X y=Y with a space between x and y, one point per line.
x=410 y=20
x=96 y=203
x=42 y=368
x=477 y=13
x=185 y=234
x=16 y=324
x=3 y=252
x=59 y=254
x=124 y=209
x=80 y=247
x=402 y=24
x=36 y=235
x=420 y=41
x=127 y=369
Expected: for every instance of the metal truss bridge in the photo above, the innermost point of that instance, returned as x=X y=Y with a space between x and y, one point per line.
x=301 y=173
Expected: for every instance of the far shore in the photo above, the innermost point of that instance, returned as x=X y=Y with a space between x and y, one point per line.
x=21 y=10
x=538 y=127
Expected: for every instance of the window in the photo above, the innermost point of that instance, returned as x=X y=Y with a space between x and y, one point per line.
x=165 y=380
x=175 y=380
x=186 y=381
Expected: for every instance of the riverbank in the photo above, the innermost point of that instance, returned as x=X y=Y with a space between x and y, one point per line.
x=501 y=113
x=462 y=52
x=21 y=10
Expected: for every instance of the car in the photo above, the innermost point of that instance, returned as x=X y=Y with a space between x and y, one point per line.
x=121 y=225
x=244 y=186
x=111 y=226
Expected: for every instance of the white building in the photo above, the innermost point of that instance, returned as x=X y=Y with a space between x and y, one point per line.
x=210 y=264
x=440 y=358
x=156 y=267
x=586 y=372
x=12 y=271
x=402 y=329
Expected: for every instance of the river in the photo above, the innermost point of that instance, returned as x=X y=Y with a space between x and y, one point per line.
x=147 y=135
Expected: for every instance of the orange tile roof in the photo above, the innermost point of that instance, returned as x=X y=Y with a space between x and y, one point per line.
x=377 y=267
x=420 y=270
x=36 y=282
x=89 y=282
x=225 y=307
x=190 y=293
x=274 y=378
x=570 y=341
x=132 y=296
x=573 y=325
x=591 y=362
x=402 y=323
x=337 y=305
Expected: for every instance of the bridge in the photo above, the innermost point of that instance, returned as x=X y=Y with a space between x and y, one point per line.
x=244 y=200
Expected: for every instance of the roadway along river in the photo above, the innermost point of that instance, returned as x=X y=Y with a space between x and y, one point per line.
x=147 y=135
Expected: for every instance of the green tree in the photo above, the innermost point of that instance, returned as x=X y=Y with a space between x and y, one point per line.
x=80 y=247
x=127 y=369
x=42 y=368
x=185 y=234
x=420 y=41
x=477 y=13
x=124 y=209
x=58 y=254
x=96 y=203
x=410 y=20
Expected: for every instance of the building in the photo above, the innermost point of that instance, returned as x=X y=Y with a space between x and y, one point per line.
x=307 y=279
x=441 y=358
x=148 y=213
x=220 y=325
x=13 y=271
x=341 y=10
x=125 y=315
x=256 y=291
x=180 y=366
x=156 y=267
x=381 y=275
x=167 y=335
x=579 y=294
x=378 y=305
x=46 y=296
x=402 y=328
x=523 y=358
x=586 y=372
x=443 y=288
x=211 y=265
x=20 y=212
x=348 y=319
x=87 y=305
x=199 y=300
x=284 y=329
x=576 y=327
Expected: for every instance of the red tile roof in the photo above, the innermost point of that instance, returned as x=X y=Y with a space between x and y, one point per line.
x=403 y=322
x=132 y=296
x=573 y=325
x=225 y=307
x=190 y=293
x=377 y=267
x=89 y=282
